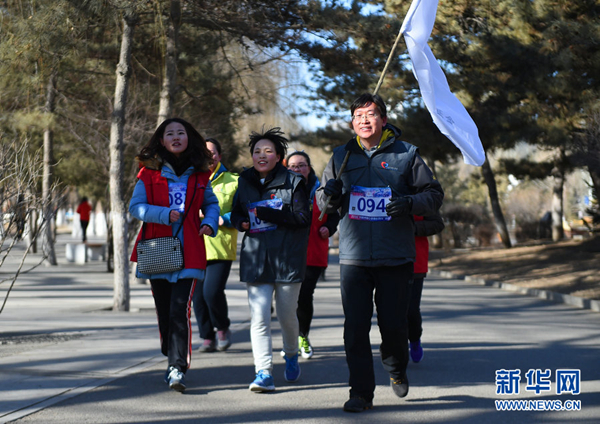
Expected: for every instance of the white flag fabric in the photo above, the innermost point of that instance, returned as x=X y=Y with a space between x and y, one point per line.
x=447 y=111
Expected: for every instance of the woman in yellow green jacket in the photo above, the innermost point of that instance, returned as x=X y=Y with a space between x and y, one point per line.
x=210 y=302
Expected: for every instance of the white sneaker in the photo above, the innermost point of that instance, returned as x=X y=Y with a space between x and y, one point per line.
x=176 y=380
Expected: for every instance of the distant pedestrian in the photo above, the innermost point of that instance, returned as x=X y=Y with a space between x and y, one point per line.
x=84 y=210
x=20 y=216
x=273 y=211
x=173 y=187
x=385 y=182
x=210 y=302
x=318 y=249
x=424 y=227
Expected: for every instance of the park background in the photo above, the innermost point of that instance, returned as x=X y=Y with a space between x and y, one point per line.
x=83 y=85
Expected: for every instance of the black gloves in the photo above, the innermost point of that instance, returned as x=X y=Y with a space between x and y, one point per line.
x=399 y=207
x=333 y=188
x=269 y=214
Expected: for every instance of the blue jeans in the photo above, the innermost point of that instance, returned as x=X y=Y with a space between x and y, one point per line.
x=391 y=288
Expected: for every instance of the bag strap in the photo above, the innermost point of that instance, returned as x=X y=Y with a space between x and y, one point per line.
x=184 y=215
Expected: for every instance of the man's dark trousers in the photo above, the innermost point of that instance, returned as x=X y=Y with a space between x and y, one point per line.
x=391 y=287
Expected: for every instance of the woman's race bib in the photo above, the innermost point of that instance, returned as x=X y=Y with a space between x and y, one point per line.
x=368 y=203
x=177 y=196
x=258 y=226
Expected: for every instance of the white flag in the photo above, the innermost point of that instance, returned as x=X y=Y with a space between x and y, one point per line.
x=447 y=111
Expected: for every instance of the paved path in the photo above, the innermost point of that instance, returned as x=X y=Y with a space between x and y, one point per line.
x=65 y=358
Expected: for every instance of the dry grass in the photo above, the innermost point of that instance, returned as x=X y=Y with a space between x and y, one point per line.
x=568 y=267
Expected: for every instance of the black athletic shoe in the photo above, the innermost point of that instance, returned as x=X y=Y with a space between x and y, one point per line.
x=399 y=386
x=357 y=404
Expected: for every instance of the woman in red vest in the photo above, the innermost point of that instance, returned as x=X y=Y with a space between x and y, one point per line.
x=317 y=256
x=173 y=187
x=424 y=227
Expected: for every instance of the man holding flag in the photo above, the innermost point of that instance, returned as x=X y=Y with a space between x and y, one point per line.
x=384 y=184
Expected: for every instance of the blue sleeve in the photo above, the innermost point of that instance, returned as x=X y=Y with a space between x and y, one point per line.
x=227 y=216
x=211 y=210
x=142 y=210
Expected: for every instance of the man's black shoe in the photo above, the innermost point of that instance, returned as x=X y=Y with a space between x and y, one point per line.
x=399 y=386
x=357 y=404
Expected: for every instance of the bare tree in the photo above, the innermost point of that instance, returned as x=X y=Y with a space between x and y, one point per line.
x=169 y=84
x=488 y=176
x=19 y=176
x=118 y=218
x=558 y=178
x=48 y=211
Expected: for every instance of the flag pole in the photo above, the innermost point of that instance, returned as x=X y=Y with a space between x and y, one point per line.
x=387 y=62
x=345 y=162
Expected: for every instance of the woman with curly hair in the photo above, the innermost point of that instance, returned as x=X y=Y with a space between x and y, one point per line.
x=173 y=187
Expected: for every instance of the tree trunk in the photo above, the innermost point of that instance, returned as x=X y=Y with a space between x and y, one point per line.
x=117 y=202
x=134 y=265
x=167 y=94
x=47 y=201
x=32 y=218
x=455 y=235
x=488 y=176
x=558 y=176
x=431 y=164
x=595 y=176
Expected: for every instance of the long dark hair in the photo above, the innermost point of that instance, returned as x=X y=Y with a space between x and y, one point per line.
x=196 y=154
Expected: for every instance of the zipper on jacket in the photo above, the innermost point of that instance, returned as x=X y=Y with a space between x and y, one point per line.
x=369 y=158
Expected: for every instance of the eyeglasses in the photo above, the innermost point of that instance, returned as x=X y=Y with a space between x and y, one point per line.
x=299 y=166
x=369 y=115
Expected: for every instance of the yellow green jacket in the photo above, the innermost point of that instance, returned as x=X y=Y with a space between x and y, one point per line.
x=224 y=245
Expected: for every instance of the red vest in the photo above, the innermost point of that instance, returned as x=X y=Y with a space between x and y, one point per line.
x=422 y=246
x=318 y=248
x=157 y=192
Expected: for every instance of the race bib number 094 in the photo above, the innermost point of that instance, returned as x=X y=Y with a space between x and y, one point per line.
x=368 y=203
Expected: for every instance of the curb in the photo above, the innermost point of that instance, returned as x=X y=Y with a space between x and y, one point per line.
x=578 y=302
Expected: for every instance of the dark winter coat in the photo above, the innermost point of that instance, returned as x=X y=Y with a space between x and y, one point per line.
x=279 y=255
x=395 y=164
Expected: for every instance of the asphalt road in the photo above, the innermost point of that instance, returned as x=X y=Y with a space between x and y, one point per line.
x=66 y=358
